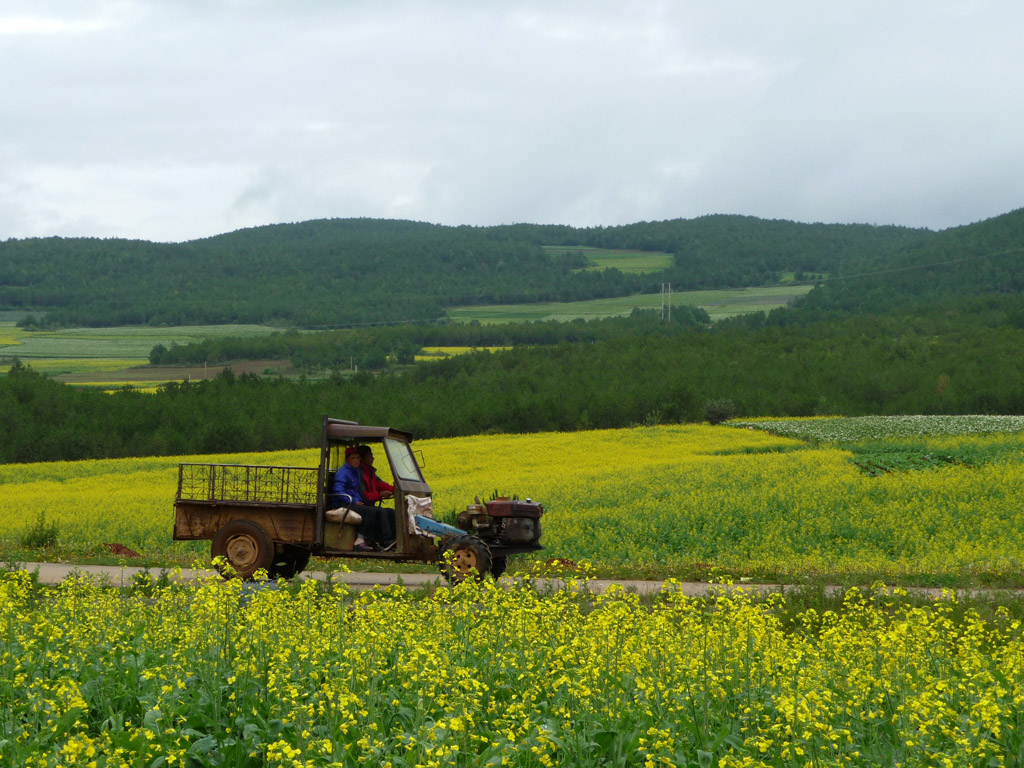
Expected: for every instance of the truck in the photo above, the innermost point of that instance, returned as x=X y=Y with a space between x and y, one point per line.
x=275 y=518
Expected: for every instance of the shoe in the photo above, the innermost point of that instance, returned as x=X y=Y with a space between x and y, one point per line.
x=362 y=546
x=390 y=546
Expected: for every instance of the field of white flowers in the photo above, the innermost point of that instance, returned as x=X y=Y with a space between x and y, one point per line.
x=848 y=429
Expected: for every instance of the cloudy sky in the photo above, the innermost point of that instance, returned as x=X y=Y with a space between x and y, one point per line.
x=178 y=119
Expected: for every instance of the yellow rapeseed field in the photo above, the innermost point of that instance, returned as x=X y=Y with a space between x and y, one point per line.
x=217 y=673
x=54 y=366
x=10 y=336
x=145 y=387
x=665 y=500
x=223 y=674
x=433 y=353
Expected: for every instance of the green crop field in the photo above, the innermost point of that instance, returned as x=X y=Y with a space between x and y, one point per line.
x=718 y=304
x=634 y=262
x=124 y=342
x=74 y=353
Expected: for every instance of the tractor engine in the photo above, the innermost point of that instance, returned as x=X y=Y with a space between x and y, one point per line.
x=508 y=521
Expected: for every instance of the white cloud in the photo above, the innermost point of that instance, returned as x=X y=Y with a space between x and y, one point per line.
x=41 y=25
x=174 y=120
x=149 y=201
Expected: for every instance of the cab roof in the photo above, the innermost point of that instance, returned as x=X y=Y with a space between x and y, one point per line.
x=340 y=429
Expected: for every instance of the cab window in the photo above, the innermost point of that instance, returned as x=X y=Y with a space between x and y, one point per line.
x=402 y=460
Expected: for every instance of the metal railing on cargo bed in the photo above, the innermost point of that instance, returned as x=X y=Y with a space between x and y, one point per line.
x=239 y=482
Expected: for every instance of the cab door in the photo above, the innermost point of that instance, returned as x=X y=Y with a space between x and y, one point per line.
x=408 y=481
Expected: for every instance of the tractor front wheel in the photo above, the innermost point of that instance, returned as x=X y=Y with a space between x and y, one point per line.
x=469 y=557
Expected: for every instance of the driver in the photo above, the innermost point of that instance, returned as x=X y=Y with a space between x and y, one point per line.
x=374 y=490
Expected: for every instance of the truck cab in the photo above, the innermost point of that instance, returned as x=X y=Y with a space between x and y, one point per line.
x=338 y=537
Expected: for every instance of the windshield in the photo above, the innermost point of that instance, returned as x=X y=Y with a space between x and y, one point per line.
x=402 y=460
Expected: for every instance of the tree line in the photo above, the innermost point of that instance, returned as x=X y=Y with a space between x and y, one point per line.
x=963 y=357
x=391 y=346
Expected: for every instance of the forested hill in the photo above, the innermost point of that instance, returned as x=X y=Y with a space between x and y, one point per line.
x=730 y=251
x=346 y=271
x=978 y=259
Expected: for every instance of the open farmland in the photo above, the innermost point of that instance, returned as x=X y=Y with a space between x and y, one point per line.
x=718 y=304
x=683 y=501
x=115 y=356
x=628 y=261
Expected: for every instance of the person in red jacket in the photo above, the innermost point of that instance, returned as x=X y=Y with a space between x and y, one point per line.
x=373 y=489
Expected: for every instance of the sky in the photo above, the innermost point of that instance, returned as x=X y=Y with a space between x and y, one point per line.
x=172 y=120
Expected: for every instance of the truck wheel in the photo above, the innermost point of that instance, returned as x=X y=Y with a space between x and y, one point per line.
x=498 y=565
x=291 y=562
x=245 y=546
x=468 y=554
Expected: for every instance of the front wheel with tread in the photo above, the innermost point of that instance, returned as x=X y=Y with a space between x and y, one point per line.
x=470 y=556
x=245 y=546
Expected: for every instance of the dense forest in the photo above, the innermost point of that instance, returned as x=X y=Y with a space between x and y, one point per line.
x=734 y=251
x=339 y=272
x=964 y=356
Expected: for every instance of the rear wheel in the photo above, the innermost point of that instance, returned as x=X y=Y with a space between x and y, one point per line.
x=245 y=546
x=469 y=557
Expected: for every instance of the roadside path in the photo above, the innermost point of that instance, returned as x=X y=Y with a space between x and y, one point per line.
x=120 y=576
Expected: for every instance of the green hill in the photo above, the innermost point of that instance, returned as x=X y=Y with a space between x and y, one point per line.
x=986 y=258
x=315 y=273
x=720 y=251
x=349 y=271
